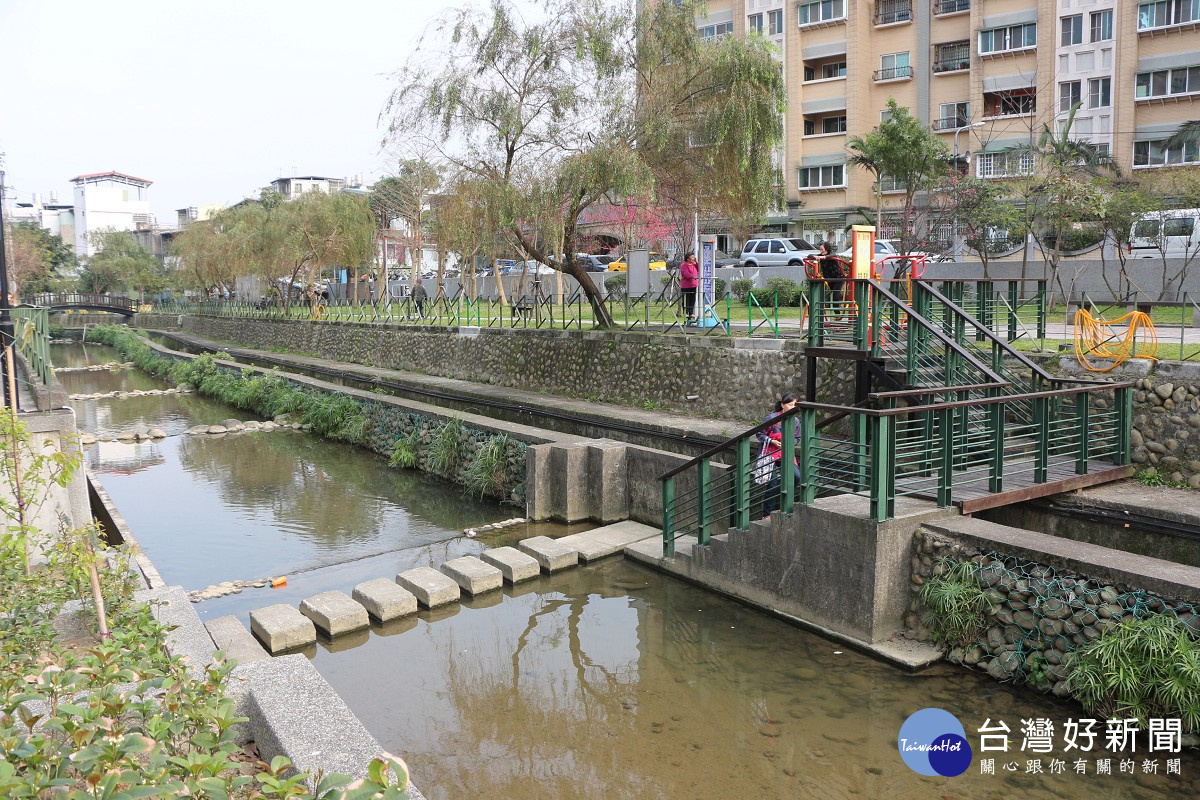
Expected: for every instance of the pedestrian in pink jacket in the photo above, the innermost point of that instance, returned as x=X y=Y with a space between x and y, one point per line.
x=689 y=280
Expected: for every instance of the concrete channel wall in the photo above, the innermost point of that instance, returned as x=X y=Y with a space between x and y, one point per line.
x=705 y=376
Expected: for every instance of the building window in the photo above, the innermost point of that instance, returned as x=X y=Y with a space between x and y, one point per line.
x=775 y=22
x=1070 y=94
x=1072 y=30
x=951 y=6
x=888 y=12
x=953 y=116
x=952 y=56
x=1165 y=13
x=1100 y=93
x=893 y=66
x=1167 y=82
x=1012 y=37
x=1004 y=165
x=754 y=24
x=822 y=177
x=717 y=31
x=820 y=11
x=833 y=125
x=1156 y=154
x=835 y=70
x=1015 y=102
x=888 y=183
x=1102 y=25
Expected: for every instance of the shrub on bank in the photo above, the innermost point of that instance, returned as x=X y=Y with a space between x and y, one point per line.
x=106 y=713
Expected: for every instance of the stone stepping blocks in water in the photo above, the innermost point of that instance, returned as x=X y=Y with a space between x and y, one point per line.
x=473 y=576
x=281 y=627
x=335 y=613
x=551 y=554
x=514 y=565
x=385 y=600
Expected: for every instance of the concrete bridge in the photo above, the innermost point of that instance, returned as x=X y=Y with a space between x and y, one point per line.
x=124 y=306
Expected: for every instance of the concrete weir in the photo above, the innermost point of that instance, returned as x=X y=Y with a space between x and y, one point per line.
x=828 y=567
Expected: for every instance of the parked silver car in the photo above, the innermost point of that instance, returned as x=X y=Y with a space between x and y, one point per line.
x=776 y=252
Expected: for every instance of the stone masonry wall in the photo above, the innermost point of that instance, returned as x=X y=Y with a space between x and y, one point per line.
x=731 y=378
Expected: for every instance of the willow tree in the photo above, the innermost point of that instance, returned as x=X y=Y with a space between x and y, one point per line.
x=405 y=198
x=595 y=99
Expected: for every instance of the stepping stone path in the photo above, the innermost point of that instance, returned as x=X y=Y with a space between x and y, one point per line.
x=281 y=627
x=514 y=565
x=385 y=600
x=473 y=576
x=335 y=613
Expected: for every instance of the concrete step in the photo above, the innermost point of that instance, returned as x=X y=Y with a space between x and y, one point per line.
x=609 y=540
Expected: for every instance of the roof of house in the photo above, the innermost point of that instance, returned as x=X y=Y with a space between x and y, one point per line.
x=305 y=178
x=110 y=174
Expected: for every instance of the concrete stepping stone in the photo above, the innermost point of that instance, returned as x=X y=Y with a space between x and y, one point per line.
x=335 y=613
x=551 y=554
x=385 y=600
x=229 y=634
x=514 y=565
x=431 y=588
x=472 y=575
x=281 y=627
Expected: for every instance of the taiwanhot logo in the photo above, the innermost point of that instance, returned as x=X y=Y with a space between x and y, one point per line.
x=934 y=742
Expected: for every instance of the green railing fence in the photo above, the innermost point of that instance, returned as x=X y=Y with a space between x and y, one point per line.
x=32 y=331
x=971 y=415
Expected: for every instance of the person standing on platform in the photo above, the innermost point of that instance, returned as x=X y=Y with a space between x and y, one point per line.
x=689 y=281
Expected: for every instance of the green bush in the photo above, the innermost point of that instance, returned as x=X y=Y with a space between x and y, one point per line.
x=1140 y=668
x=718 y=289
x=615 y=284
x=956 y=603
x=741 y=288
x=786 y=289
x=488 y=473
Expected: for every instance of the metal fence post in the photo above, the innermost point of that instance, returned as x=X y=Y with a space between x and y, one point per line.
x=668 y=498
x=702 y=475
x=787 y=471
x=1081 y=421
x=742 y=484
x=1041 y=423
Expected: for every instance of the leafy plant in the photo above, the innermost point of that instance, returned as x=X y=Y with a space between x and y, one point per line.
x=404 y=450
x=488 y=473
x=446 y=448
x=742 y=287
x=1140 y=668
x=956 y=603
x=785 y=289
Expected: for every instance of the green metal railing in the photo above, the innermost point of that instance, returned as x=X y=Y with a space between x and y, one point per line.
x=32 y=331
x=652 y=311
x=975 y=417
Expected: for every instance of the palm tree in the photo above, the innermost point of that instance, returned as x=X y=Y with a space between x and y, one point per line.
x=1188 y=134
x=870 y=153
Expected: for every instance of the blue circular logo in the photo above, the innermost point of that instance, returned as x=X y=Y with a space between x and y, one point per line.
x=934 y=742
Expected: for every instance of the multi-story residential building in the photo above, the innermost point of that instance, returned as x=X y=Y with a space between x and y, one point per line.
x=984 y=74
x=186 y=216
x=57 y=218
x=292 y=188
x=108 y=200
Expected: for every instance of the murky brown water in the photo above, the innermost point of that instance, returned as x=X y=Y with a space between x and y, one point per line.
x=613 y=681
x=609 y=681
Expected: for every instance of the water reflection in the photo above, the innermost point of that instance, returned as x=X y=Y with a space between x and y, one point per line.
x=612 y=681
x=83 y=355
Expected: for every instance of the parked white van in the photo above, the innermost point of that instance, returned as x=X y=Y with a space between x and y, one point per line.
x=1171 y=234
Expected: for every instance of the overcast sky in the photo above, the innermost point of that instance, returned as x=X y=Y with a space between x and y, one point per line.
x=209 y=100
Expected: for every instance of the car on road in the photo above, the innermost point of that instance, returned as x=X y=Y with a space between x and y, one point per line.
x=721 y=259
x=885 y=248
x=657 y=261
x=591 y=263
x=776 y=251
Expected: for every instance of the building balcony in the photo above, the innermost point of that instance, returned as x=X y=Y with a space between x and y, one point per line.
x=892 y=12
x=892 y=74
x=949 y=124
x=946 y=65
x=951 y=6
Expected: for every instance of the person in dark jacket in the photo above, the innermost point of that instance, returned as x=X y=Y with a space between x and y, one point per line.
x=419 y=296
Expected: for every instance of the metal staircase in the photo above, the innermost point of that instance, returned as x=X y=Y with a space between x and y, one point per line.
x=941 y=407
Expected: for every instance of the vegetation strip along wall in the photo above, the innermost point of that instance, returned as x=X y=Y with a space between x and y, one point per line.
x=490 y=465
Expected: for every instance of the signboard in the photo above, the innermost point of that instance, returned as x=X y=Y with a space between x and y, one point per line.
x=637 y=272
x=706 y=318
x=862 y=249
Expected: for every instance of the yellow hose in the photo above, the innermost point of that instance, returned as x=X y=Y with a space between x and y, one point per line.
x=1096 y=337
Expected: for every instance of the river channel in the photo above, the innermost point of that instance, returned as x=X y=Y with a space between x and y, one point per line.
x=607 y=681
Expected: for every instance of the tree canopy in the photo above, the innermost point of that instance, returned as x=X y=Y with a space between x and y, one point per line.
x=597 y=99
x=121 y=264
x=38 y=261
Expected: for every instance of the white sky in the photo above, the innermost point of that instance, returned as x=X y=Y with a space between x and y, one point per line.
x=210 y=100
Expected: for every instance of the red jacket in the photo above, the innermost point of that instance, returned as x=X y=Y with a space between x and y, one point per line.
x=689 y=275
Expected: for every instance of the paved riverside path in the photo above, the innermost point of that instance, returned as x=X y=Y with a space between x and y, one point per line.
x=674 y=423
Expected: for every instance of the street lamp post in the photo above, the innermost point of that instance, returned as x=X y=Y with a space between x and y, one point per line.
x=957 y=242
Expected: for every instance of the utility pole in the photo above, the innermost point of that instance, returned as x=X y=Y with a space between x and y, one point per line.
x=6 y=324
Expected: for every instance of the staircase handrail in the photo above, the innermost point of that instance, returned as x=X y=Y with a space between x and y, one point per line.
x=1008 y=349
x=725 y=445
x=938 y=333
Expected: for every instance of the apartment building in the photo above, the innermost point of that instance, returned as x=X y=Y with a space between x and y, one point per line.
x=984 y=74
x=109 y=200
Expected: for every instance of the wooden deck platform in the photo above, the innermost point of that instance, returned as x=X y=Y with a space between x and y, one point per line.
x=1019 y=485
